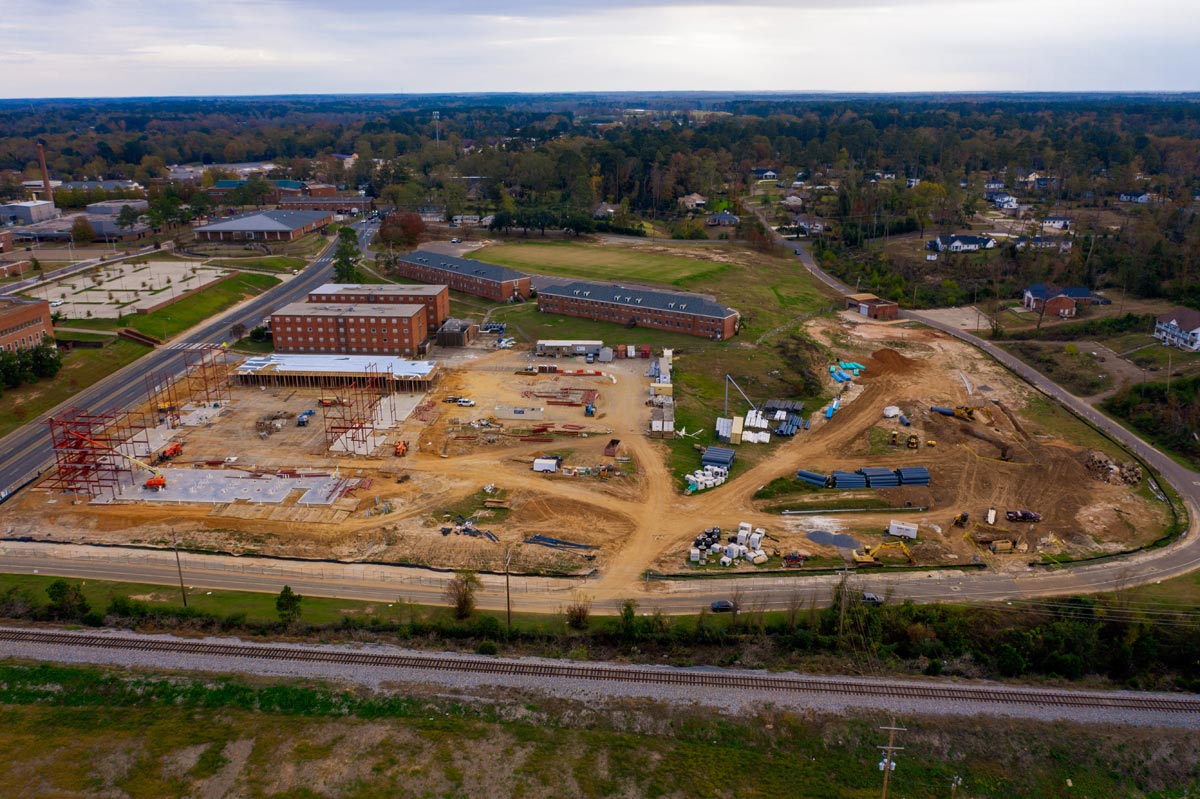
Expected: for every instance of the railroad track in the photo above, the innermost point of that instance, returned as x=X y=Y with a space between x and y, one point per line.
x=724 y=679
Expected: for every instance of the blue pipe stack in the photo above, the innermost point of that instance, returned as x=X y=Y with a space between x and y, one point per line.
x=878 y=477
x=812 y=478
x=913 y=475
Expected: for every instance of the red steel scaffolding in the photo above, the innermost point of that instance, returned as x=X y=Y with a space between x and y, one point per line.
x=355 y=409
x=86 y=446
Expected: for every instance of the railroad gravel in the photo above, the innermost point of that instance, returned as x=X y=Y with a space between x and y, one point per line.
x=733 y=699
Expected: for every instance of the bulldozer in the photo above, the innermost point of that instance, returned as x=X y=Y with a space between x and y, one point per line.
x=914 y=442
x=961 y=519
x=895 y=438
x=968 y=412
x=866 y=555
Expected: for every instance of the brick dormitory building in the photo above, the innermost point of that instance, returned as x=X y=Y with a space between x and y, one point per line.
x=657 y=310
x=373 y=329
x=24 y=324
x=436 y=299
x=497 y=283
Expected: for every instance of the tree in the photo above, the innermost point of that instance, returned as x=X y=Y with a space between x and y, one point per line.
x=127 y=218
x=579 y=614
x=404 y=228
x=67 y=601
x=460 y=593
x=287 y=605
x=346 y=257
x=81 y=230
x=44 y=360
x=237 y=331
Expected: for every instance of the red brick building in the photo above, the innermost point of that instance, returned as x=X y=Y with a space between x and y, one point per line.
x=436 y=299
x=23 y=323
x=497 y=283
x=657 y=310
x=333 y=204
x=265 y=226
x=6 y=241
x=872 y=307
x=349 y=329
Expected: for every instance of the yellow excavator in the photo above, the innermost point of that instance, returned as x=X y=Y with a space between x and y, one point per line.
x=866 y=555
x=968 y=412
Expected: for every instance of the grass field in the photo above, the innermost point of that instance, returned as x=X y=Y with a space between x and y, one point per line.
x=1080 y=373
x=588 y=261
x=172 y=320
x=81 y=368
x=275 y=263
x=80 y=730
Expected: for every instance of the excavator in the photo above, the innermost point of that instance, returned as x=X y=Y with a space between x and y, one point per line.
x=157 y=480
x=968 y=412
x=866 y=555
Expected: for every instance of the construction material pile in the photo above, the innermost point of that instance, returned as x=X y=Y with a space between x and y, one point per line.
x=746 y=545
x=1106 y=470
x=708 y=477
x=868 y=477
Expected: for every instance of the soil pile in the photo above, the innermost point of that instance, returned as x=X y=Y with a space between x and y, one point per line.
x=887 y=361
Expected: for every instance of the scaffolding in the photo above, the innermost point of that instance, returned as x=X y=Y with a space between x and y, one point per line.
x=162 y=398
x=207 y=376
x=356 y=410
x=86 y=446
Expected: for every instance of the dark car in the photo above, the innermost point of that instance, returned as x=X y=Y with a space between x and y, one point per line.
x=723 y=606
x=872 y=599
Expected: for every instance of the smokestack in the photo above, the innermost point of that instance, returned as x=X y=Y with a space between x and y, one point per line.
x=45 y=173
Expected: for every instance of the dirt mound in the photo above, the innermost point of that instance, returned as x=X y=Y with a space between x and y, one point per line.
x=888 y=361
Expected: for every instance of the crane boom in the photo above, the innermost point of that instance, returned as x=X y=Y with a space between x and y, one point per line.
x=157 y=481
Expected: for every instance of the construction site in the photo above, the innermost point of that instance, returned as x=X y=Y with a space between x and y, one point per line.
x=486 y=455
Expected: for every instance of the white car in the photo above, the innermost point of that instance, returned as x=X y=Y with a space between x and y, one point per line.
x=456 y=240
x=56 y=303
x=466 y=403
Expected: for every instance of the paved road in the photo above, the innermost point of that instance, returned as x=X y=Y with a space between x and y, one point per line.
x=28 y=451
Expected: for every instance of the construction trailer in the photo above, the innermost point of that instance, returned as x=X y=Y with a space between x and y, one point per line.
x=547 y=465
x=902 y=529
x=555 y=348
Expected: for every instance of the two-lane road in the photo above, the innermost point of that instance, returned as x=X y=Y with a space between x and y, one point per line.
x=27 y=451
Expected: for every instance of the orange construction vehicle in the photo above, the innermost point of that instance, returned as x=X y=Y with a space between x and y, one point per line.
x=173 y=450
x=401 y=449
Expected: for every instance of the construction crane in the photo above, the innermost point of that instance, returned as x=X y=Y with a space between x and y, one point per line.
x=157 y=481
x=866 y=556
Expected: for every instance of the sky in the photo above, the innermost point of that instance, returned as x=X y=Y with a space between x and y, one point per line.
x=114 y=48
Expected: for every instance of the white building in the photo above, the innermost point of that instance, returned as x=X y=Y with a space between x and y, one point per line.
x=1179 y=328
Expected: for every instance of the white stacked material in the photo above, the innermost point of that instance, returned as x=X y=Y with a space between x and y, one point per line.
x=749 y=528
x=760 y=531
x=755 y=540
x=731 y=550
x=743 y=536
x=759 y=558
x=742 y=550
x=724 y=428
x=781 y=416
x=891 y=412
x=694 y=555
x=726 y=560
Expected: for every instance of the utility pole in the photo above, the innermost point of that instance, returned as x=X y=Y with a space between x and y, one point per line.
x=957 y=781
x=437 y=127
x=179 y=568
x=842 y=606
x=888 y=764
x=507 y=592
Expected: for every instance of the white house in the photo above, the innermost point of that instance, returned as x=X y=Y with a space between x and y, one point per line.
x=912 y=183
x=958 y=243
x=993 y=184
x=1057 y=222
x=1180 y=328
x=1004 y=201
x=1137 y=196
x=764 y=174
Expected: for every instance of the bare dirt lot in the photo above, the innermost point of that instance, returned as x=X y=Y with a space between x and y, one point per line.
x=476 y=462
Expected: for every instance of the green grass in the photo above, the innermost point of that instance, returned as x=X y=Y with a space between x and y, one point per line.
x=67 y=335
x=190 y=311
x=1124 y=343
x=595 y=262
x=1060 y=423
x=1080 y=372
x=81 y=368
x=85 y=730
x=275 y=263
x=253 y=347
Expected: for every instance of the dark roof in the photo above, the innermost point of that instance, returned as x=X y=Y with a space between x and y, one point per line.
x=1041 y=291
x=1183 y=318
x=640 y=298
x=267 y=221
x=979 y=240
x=229 y=184
x=462 y=266
x=106 y=185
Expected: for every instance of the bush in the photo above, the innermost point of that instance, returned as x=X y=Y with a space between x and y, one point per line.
x=487 y=648
x=579 y=615
x=460 y=593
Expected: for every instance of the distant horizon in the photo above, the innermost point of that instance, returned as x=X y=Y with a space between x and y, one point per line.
x=727 y=93
x=77 y=49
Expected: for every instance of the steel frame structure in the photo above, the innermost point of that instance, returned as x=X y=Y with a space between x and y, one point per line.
x=84 y=444
x=359 y=404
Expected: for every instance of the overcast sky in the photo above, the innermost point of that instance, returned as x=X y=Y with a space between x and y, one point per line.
x=81 y=48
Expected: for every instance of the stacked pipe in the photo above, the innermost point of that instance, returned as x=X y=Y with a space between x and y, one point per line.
x=913 y=475
x=812 y=478
x=848 y=480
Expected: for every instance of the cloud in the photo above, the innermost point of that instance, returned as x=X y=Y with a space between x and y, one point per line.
x=137 y=47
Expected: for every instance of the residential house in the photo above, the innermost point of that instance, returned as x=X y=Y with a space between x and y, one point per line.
x=723 y=219
x=693 y=201
x=793 y=202
x=1060 y=243
x=1056 y=301
x=912 y=183
x=1179 y=328
x=993 y=184
x=348 y=161
x=764 y=174
x=1057 y=222
x=1003 y=200
x=961 y=243
x=604 y=211
x=1136 y=196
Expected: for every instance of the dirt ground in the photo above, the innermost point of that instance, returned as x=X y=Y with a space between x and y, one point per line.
x=631 y=508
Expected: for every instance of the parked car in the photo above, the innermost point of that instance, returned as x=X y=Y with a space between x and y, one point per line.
x=450 y=400
x=466 y=403
x=456 y=240
x=723 y=606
